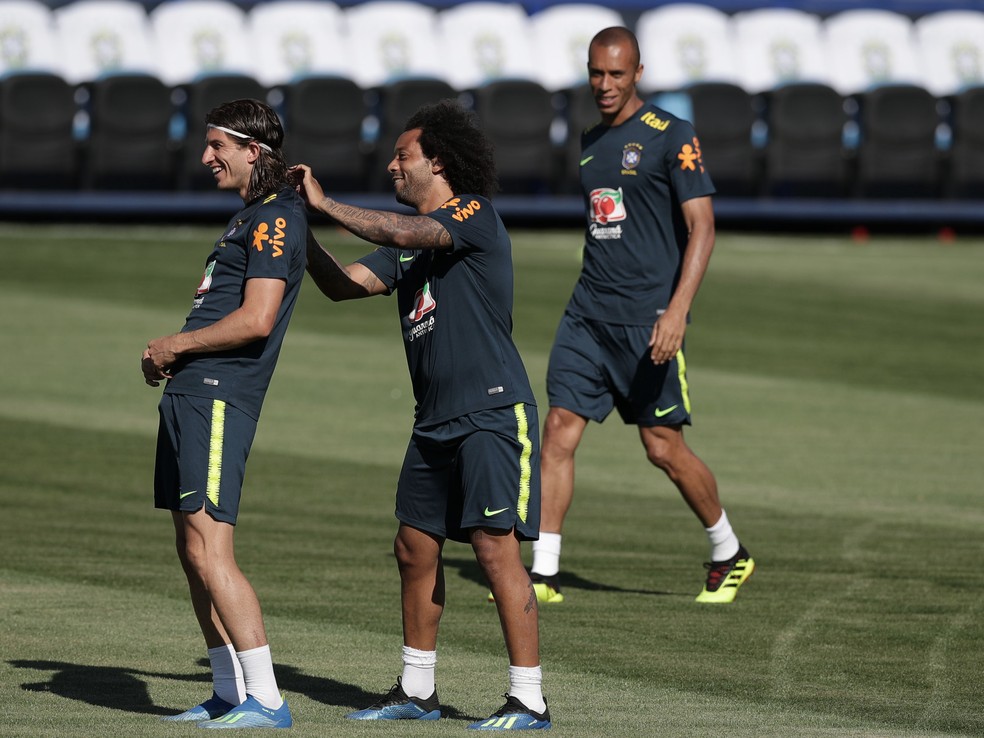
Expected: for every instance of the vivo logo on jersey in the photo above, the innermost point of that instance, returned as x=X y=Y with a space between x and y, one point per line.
x=607 y=205
x=461 y=214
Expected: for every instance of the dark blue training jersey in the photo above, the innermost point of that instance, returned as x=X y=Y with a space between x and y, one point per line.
x=634 y=177
x=456 y=314
x=266 y=239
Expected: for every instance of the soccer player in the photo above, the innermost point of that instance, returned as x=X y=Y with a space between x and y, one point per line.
x=471 y=470
x=218 y=368
x=620 y=342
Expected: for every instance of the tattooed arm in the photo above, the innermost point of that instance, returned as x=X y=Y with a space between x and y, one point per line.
x=376 y=226
x=339 y=282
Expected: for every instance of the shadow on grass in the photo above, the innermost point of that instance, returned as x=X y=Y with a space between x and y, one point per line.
x=103 y=686
x=469 y=569
x=119 y=688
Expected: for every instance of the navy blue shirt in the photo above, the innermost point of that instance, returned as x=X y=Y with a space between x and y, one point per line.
x=267 y=240
x=456 y=314
x=634 y=177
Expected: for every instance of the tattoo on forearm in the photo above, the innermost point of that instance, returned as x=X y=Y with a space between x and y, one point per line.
x=382 y=227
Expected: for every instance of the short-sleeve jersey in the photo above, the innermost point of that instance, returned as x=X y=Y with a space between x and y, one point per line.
x=634 y=177
x=266 y=240
x=455 y=310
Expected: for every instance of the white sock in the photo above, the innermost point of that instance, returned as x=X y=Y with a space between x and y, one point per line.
x=261 y=684
x=546 y=555
x=227 y=674
x=525 y=685
x=724 y=542
x=418 y=672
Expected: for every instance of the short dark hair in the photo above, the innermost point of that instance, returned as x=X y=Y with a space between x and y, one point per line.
x=615 y=35
x=260 y=123
x=451 y=133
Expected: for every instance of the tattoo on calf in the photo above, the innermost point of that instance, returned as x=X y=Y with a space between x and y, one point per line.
x=531 y=604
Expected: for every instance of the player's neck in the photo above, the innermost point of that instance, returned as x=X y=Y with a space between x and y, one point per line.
x=628 y=110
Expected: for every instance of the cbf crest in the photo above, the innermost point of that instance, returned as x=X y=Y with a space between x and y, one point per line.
x=631 y=156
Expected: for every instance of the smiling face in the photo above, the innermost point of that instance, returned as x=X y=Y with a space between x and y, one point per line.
x=230 y=161
x=413 y=174
x=613 y=72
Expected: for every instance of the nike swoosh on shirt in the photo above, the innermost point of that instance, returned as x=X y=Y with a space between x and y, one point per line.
x=660 y=413
x=490 y=513
x=405 y=259
x=586 y=160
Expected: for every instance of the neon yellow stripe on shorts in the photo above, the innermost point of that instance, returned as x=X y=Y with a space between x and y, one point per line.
x=215 y=443
x=523 y=435
x=682 y=375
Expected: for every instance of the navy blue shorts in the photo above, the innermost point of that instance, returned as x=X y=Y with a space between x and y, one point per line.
x=481 y=470
x=202 y=446
x=595 y=367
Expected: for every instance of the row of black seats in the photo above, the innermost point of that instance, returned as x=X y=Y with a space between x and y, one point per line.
x=800 y=140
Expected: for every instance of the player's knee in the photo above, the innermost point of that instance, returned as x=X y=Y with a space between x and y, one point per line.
x=561 y=435
x=663 y=451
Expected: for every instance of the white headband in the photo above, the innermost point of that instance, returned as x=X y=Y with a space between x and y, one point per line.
x=237 y=134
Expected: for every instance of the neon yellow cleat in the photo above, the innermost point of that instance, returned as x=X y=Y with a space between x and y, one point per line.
x=725 y=577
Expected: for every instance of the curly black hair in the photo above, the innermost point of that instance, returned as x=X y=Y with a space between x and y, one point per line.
x=260 y=122
x=451 y=133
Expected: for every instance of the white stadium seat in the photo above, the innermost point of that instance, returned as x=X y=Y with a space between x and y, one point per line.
x=199 y=37
x=98 y=37
x=777 y=46
x=485 y=41
x=390 y=40
x=297 y=38
x=683 y=43
x=950 y=44
x=868 y=48
x=561 y=34
x=27 y=37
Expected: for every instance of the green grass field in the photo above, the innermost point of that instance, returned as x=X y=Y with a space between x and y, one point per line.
x=838 y=397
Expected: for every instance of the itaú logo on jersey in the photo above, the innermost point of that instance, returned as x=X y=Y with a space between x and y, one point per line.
x=607 y=205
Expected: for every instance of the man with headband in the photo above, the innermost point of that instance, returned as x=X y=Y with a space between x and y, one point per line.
x=218 y=368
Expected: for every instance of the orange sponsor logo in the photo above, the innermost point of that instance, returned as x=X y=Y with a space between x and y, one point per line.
x=690 y=157
x=262 y=235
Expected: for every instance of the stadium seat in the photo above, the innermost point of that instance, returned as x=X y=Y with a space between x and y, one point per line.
x=581 y=112
x=777 y=46
x=199 y=37
x=897 y=155
x=98 y=37
x=390 y=40
x=203 y=95
x=27 y=37
x=866 y=48
x=951 y=50
x=485 y=41
x=724 y=116
x=37 y=146
x=560 y=37
x=804 y=153
x=965 y=175
x=128 y=147
x=294 y=38
x=323 y=118
x=397 y=102
x=682 y=43
x=517 y=115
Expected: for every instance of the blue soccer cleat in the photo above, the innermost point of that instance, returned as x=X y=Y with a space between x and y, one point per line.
x=251 y=714
x=397 y=705
x=514 y=715
x=213 y=707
